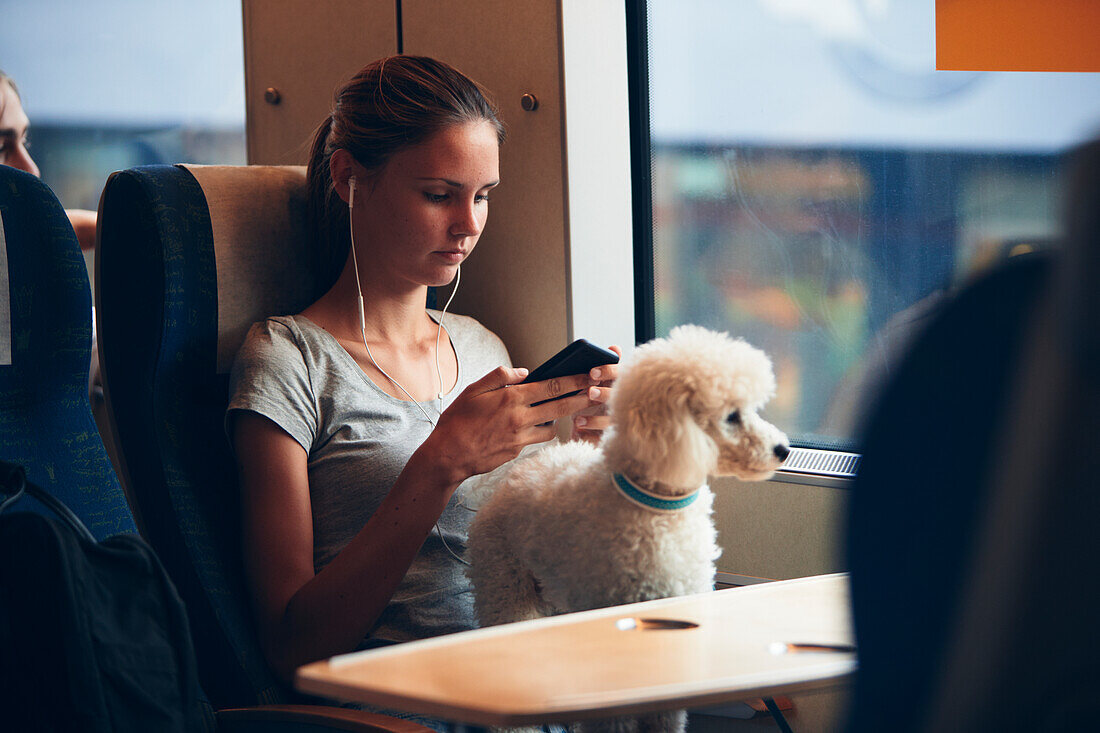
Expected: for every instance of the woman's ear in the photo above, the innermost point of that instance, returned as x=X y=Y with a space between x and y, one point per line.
x=342 y=166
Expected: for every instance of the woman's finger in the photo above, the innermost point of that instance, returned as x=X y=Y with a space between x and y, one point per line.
x=558 y=386
x=595 y=423
x=605 y=374
x=500 y=377
x=599 y=395
x=549 y=411
x=540 y=433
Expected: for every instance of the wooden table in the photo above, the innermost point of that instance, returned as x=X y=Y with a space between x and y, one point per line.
x=723 y=646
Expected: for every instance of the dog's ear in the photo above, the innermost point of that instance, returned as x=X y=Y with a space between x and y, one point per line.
x=662 y=433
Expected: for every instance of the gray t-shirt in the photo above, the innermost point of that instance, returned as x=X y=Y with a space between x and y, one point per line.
x=358 y=439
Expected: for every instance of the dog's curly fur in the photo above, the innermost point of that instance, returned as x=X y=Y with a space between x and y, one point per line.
x=557 y=536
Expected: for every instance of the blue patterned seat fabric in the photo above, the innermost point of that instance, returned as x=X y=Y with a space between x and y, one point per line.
x=46 y=421
x=168 y=401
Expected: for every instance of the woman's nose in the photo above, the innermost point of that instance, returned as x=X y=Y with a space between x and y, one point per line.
x=22 y=160
x=470 y=220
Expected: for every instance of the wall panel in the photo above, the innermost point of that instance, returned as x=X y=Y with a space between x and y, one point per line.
x=516 y=281
x=304 y=49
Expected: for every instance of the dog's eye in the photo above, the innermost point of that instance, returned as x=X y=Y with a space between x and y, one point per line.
x=734 y=418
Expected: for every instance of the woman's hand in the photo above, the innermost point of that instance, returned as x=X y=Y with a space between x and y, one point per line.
x=589 y=423
x=496 y=417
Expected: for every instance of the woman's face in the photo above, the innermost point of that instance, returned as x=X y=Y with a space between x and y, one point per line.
x=13 y=131
x=421 y=216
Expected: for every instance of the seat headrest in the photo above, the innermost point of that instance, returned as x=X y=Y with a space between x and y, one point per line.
x=5 y=300
x=45 y=301
x=261 y=246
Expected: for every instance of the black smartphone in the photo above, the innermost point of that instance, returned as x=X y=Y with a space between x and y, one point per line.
x=576 y=358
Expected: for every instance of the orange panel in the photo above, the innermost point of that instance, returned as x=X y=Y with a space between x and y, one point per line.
x=1018 y=35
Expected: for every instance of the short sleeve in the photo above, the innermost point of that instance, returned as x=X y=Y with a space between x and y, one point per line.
x=270 y=377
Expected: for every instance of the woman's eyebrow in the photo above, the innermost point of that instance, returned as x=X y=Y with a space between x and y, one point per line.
x=15 y=133
x=455 y=184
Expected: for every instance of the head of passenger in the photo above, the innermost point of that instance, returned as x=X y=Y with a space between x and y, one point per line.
x=13 y=128
x=417 y=109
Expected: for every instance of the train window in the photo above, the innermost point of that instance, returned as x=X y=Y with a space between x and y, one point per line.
x=116 y=83
x=815 y=185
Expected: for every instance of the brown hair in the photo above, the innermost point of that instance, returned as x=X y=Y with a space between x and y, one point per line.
x=391 y=104
x=11 y=82
x=5 y=78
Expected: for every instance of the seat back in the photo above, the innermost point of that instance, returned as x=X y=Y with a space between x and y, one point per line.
x=921 y=489
x=46 y=422
x=970 y=522
x=189 y=257
x=1021 y=654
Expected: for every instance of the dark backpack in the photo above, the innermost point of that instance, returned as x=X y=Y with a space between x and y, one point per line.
x=93 y=636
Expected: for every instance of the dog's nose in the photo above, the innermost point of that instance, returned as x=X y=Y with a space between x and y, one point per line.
x=782 y=451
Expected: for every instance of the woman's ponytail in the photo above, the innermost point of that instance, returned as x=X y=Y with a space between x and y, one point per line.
x=327 y=211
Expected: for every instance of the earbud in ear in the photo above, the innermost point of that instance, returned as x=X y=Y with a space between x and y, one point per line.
x=351 y=192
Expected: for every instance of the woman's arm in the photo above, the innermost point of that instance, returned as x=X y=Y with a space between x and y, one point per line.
x=303 y=616
x=83 y=223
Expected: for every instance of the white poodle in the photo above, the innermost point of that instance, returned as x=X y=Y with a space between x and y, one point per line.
x=576 y=527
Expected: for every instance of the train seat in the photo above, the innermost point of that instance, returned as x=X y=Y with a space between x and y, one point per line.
x=188 y=258
x=46 y=422
x=970 y=531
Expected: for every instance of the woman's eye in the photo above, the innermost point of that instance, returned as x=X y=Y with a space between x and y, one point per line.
x=734 y=418
x=435 y=198
x=482 y=199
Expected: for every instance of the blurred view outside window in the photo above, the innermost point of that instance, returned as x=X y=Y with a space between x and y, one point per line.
x=112 y=84
x=817 y=185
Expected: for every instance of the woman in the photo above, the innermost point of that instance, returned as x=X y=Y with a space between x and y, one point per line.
x=352 y=433
x=14 y=144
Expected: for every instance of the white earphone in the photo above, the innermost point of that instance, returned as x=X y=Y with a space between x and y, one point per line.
x=363 y=320
x=363 y=333
x=362 y=317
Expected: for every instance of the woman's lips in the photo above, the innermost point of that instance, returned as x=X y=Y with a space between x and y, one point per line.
x=452 y=256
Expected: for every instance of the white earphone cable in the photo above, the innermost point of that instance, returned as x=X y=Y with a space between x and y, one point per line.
x=442 y=314
x=438 y=332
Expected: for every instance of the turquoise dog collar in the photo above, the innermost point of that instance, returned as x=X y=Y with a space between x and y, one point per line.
x=652 y=501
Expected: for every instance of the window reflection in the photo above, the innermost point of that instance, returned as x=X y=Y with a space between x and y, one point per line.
x=113 y=84
x=818 y=186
